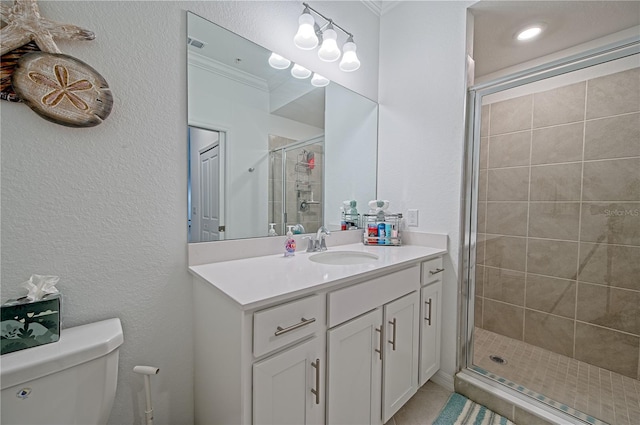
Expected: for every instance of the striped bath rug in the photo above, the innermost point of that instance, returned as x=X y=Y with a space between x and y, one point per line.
x=459 y=410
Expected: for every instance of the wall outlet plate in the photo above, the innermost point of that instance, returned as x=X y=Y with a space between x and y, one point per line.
x=412 y=218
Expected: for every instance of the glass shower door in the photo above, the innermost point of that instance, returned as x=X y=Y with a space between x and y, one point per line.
x=557 y=285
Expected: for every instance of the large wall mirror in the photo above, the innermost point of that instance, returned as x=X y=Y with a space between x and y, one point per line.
x=267 y=149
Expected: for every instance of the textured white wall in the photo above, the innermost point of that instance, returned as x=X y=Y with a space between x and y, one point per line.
x=105 y=208
x=422 y=98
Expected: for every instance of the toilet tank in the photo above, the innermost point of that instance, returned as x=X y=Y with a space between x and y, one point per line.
x=69 y=382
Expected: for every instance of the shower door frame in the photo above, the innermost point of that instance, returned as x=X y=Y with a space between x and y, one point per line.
x=618 y=50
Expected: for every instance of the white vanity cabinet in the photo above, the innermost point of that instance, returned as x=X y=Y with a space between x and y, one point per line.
x=354 y=394
x=430 y=318
x=351 y=349
x=400 y=359
x=373 y=358
x=288 y=388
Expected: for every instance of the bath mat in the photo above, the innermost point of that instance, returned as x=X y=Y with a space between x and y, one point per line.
x=459 y=410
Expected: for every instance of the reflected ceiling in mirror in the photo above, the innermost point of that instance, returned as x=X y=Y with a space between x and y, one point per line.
x=265 y=147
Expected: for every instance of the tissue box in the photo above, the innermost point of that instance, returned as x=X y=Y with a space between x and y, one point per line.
x=26 y=324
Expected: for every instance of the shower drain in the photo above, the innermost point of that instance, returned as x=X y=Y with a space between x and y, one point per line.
x=497 y=359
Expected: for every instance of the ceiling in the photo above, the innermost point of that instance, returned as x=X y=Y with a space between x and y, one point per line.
x=568 y=24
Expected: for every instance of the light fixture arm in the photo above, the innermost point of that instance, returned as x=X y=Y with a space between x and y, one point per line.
x=329 y=20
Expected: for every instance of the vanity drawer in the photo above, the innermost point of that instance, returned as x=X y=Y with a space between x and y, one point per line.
x=432 y=271
x=347 y=303
x=283 y=324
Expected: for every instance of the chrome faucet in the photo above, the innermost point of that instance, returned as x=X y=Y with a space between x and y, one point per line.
x=318 y=243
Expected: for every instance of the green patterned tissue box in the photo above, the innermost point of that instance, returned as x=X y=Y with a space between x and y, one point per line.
x=27 y=324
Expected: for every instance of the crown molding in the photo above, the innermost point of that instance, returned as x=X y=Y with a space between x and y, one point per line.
x=215 y=67
x=373 y=5
x=380 y=7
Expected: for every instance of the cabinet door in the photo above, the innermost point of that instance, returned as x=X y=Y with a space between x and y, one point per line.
x=400 y=369
x=354 y=371
x=430 y=330
x=288 y=387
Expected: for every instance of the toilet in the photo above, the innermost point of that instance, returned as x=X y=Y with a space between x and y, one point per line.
x=72 y=381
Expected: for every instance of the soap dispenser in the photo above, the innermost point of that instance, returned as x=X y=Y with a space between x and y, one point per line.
x=272 y=231
x=290 y=244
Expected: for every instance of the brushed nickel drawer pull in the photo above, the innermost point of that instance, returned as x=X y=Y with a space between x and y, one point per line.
x=428 y=318
x=304 y=322
x=381 y=343
x=316 y=391
x=432 y=272
x=393 y=342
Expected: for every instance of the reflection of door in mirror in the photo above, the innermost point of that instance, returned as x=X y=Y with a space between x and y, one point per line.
x=296 y=184
x=206 y=180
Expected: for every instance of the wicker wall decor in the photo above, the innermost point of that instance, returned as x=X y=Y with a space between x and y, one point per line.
x=58 y=87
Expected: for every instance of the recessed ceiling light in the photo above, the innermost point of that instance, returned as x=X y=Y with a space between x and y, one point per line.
x=529 y=33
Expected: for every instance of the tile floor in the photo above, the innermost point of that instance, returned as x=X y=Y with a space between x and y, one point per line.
x=424 y=406
x=606 y=395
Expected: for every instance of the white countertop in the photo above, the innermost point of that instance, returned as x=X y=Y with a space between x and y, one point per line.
x=259 y=281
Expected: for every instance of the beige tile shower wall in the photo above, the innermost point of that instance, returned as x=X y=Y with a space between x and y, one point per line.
x=558 y=249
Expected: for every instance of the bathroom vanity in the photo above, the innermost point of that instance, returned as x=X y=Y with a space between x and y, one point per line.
x=306 y=340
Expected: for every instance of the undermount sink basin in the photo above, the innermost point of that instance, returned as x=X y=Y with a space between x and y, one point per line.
x=343 y=258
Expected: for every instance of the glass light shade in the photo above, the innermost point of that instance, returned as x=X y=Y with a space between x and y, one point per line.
x=319 y=81
x=278 y=62
x=300 y=72
x=306 y=38
x=350 y=61
x=329 y=51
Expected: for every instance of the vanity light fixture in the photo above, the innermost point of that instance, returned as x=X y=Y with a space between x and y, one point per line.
x=278 y=62
x=530 y=32
x=329 y=51
x=306 y=38
x=350 y=61
x=319 y=81
x=309 y=33
x=300 y=72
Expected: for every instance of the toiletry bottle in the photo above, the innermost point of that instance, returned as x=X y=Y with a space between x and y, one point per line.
x=290 y=244
x=381 y=233
x=388 y=234
x=372 y=232
x=272 y=231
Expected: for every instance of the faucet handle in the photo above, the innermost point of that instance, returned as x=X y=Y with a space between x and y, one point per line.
x=323 y=243
x=311 y=244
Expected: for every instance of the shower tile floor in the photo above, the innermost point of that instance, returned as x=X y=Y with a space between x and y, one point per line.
x=598 y=392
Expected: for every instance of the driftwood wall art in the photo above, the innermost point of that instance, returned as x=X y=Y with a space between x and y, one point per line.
x=57 y=87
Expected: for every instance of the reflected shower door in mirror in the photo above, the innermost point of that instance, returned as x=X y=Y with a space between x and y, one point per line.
x=296 y=184
x=265 y=147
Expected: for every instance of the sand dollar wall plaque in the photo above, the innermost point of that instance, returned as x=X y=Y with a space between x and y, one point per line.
x=62 y=89
x=58 y=87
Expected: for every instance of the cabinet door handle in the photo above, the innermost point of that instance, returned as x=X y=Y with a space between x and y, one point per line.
x=428 y=318
x=381 y=343
x=393 y=342
x=303 y=322
x=316 y=390
x=436 y=271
